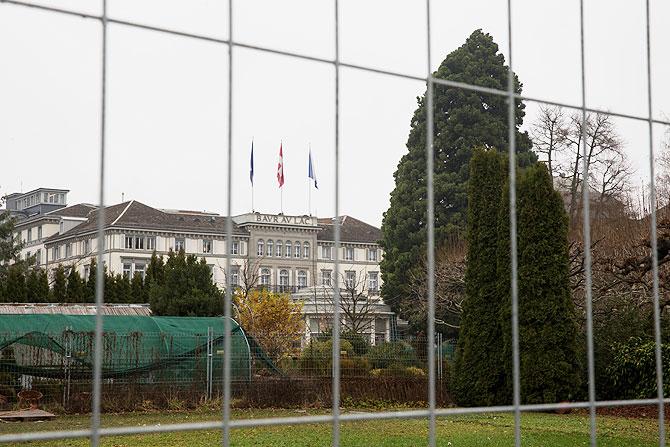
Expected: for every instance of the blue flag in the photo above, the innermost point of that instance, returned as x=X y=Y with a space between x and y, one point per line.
x=311 y=173
x=251 y=171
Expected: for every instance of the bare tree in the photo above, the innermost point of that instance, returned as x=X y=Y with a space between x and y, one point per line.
x=547 y=134
x=566 y=141
x=356 y=305
x=663 y=173
x=449 y=287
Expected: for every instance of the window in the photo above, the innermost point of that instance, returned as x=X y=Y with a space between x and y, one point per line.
x=236 y=248
x=283 y=279
x=139 y=243
x=61 y=227
x=139 y=269
x=288 y=249
x=302 y=278
x=38 y=257
x=279 y=248
x=348 y=253
x=55 y=253
x=206 y=245
x=350 y=279
x=326 y=252
x=129 y=242
x=39 y=232
x=326 y=277
x=87 y=272
x=235 y=275
x=298 y=250
x=68 y=250
x=151 y=243
x=132 y=268
x=305 y=247
x=127 y=270
x=373 y=282
x=261 y=248
x=179 y=244
x=86 y=246
x=265 y=277
x=30 y=234
x=372 y=254
x=270 y=248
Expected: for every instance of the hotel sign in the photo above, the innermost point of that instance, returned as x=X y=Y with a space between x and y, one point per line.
x=284 y=220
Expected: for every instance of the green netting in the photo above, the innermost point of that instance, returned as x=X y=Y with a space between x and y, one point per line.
x=59 y=345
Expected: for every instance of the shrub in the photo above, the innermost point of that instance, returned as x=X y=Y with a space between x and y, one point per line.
x=317 y=357
x=632 y=371
x=386 y=354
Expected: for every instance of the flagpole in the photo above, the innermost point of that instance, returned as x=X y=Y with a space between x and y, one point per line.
x=253 y=209
x=309 y=185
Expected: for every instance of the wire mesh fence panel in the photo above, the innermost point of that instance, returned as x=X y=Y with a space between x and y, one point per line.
x=96 y=364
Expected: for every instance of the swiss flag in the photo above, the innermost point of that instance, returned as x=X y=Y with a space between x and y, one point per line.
x=280 y=167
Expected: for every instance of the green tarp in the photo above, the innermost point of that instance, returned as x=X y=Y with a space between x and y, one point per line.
x=55 y=345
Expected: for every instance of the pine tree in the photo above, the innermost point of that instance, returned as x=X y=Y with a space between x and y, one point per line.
x=138 y=292
x=547 y=326
x=41 y=288
x=478 y=373
x=76 y=289
x=187 y=289
x=15 y=286
x=89 y=292
x=59 y=288
x=33 y=287
x=123 y=291
x=463 y=120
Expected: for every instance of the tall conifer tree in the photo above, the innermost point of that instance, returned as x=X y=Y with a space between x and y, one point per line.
x=479 y=375
x=463 y=119
x=547 y=322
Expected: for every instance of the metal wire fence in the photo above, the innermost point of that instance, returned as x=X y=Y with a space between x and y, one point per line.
x=145 y=371
x=337 y=363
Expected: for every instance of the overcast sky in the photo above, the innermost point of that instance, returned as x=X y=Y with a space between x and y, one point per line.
x=167 y=103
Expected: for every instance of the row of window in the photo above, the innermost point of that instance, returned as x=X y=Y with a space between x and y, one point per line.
x=66 y=251
x=279 y=249
x=140 y=242
x=34 y=199
x=30 y=234
x=265 y=278
x=349 y=254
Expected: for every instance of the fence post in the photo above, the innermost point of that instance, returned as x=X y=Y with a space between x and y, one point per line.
x=67 y=361
x=210 y=375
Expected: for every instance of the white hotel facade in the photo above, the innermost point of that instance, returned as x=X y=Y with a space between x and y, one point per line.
x=280 y=252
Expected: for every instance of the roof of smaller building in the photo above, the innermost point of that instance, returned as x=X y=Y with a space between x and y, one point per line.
x=80 y=210
x=351 y=230
x=136 y=215
x=73 y=309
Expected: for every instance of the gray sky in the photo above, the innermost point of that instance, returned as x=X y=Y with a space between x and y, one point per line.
x=167 y=109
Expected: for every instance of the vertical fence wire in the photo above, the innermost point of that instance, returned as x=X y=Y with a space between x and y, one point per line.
x=430 y=249
x=514 y=288
x=586 y=229
x=229 y=243
x=336 y=298
x=100 y=272
x=654 y=242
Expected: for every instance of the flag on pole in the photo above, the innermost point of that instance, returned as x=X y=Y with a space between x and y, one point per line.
x=280 y=167
x=251 y=170
x=311 y=173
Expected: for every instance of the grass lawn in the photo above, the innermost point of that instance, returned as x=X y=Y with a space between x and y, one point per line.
x=546 y=430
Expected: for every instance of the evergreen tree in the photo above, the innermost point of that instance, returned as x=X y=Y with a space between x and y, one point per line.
x=462 y=120
x=155 y=270
x=123 y=291
x=15 y=285
x=76 y=289
x=59 y=289
x=187 y=289
x=479 y=375
x=547 y=325
x=89 y=293
x=37 y=285
x=138 y=292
